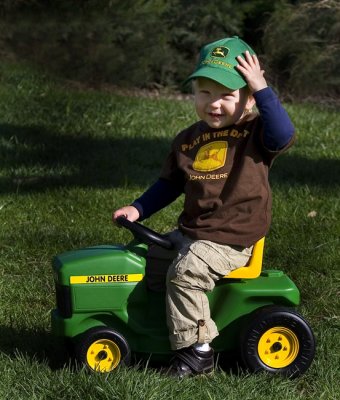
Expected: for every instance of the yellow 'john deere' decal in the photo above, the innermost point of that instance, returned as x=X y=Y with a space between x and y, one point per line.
x=105 y=278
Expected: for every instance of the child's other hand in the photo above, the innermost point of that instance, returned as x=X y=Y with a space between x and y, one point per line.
x=251 y=70
x=129 y=212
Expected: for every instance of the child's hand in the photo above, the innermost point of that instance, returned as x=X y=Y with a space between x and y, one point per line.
x=251 y=70
x=129 y=212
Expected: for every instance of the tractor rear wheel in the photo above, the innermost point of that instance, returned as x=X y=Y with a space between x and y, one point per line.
x=277 y=340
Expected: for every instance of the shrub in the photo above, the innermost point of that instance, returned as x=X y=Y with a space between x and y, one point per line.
x=303 y=49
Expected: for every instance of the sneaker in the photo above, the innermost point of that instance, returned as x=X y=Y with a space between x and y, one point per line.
x=190 y=361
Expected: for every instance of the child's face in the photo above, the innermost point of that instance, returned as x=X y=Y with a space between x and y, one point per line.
x=217 y=105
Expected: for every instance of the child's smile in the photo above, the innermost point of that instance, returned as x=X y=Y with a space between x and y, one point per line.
x=217 y=105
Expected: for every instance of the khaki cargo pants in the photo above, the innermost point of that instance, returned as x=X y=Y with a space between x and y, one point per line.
x=198 y=265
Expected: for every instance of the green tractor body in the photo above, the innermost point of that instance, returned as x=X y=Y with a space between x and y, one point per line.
x=107 y=308
x=105 y=286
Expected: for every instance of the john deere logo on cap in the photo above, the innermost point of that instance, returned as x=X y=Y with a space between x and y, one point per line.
x=220 y=52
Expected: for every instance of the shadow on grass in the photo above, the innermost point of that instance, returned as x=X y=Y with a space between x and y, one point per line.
x=43 y=348
x=37 y=346
x=36 y=159
x=299 y=171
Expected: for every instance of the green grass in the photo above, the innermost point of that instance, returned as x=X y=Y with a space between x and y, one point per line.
x=69 y=157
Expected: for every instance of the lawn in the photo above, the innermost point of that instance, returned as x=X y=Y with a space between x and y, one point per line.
x=68 y=157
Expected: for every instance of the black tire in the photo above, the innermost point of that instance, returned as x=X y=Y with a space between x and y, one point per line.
x=277 y=340
x=102 y=349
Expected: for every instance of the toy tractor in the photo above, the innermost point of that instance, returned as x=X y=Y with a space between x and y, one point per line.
x=107 y=310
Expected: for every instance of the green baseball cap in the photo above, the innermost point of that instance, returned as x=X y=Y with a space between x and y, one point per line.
x=218 y=61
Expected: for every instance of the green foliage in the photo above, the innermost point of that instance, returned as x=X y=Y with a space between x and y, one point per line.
x=135 y=43
x=154 y=43
x=303 y=48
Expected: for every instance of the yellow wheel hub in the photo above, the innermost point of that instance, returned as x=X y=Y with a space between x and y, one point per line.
x=278 y=347
x=103 y=355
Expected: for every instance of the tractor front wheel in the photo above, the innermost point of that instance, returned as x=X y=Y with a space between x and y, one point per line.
x=102 y=349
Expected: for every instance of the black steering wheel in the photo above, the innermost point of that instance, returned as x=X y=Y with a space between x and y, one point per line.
x=145 y=234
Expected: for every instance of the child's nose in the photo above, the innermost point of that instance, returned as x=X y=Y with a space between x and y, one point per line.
x=215 y=102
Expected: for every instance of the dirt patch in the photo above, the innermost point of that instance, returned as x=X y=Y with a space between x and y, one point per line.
x=160 y=92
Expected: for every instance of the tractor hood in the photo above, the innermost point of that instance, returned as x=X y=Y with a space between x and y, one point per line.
x=99 y=261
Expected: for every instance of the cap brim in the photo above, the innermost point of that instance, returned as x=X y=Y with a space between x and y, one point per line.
x=225 y=78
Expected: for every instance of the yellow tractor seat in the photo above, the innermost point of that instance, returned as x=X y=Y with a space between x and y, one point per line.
x=254 y=266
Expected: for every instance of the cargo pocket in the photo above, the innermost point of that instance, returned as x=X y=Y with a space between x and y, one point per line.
x=221 y=259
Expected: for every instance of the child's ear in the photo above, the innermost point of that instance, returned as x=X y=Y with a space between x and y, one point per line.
x=250 y=102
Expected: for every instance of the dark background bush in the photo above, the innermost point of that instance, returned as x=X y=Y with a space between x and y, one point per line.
x=154 y=43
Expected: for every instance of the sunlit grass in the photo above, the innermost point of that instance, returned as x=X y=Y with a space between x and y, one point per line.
x=69 y=157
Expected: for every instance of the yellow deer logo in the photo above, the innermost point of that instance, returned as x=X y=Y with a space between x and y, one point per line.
x=210 y=157
x=220 y=52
